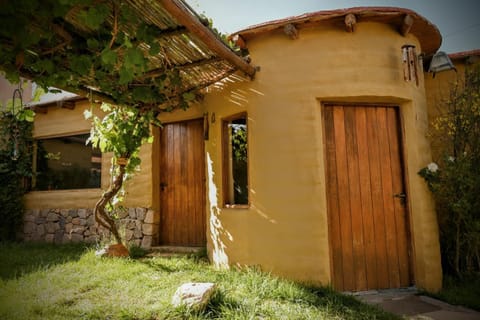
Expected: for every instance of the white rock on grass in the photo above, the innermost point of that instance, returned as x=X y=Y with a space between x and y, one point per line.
x=193 y=295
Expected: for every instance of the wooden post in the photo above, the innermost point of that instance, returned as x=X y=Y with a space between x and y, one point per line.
x=291 y=31
x=406 y=25
x=66 y=104
x=350 y=21
x=40 y=109
x=195 y=26
x=239 y=41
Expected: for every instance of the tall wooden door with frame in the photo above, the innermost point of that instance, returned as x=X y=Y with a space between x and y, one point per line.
x=367 y=204
x=182 y=184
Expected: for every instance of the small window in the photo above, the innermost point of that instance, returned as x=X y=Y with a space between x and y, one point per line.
x=235 y=158
x=66 y=163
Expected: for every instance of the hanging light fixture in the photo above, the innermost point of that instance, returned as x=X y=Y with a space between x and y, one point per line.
x=17 y=94
x=440 y=62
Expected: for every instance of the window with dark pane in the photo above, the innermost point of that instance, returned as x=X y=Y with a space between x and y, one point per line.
x=235 y=160
x=66 y=163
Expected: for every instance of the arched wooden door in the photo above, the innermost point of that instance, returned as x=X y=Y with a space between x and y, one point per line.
x=182 y=184
x=366 y=196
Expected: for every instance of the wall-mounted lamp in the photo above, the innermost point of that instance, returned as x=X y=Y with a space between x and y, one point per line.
x=440 y=62
x=206 y=126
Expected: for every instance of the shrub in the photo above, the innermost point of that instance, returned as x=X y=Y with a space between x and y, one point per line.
x=15 y=171
x=455 y=181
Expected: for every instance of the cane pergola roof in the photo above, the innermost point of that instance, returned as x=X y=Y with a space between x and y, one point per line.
x=187 y=45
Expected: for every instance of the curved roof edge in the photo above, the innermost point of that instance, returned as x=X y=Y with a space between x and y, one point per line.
x=426 y=32
x=464 y=54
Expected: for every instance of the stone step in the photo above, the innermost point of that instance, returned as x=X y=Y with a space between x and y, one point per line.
x=169 y=251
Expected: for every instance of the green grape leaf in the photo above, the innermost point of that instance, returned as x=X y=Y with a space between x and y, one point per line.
x=188 y=96
x=154 y=49
x=81 y=64
x=94 y=16
x=29 y=115
x=126 y=75
x=134 y=57
x=109 y=57
x=93 y=43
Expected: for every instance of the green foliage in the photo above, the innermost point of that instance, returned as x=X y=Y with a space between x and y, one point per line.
x=239 y=142
x=137 y=252
x=15 y=168
x=239 y=160
x=94 y=16
x=105 y=57
x=122 y=131
x=455 y=181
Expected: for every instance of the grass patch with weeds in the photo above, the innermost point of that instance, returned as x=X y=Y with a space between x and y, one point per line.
x=464 y=292
x=71 y=283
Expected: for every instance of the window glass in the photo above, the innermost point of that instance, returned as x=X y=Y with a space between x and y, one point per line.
x=236 y=161
x=67 y=163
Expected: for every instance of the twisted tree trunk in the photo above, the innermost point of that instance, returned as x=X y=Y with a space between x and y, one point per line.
x=101 y=216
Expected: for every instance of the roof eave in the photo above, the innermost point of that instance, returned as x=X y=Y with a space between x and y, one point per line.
x=427 y=33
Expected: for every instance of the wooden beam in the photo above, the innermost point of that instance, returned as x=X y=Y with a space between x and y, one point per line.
x=406 y=25
x=350 y=21
x=172 y=32
x=185 y=17
x=159 y=71
x=70 y=105
x=239 y=41
x=291 y=31
x=39 y=109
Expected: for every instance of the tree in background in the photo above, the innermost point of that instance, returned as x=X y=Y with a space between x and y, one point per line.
x=455 y=181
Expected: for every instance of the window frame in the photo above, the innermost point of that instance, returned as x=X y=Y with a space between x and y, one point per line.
x=226 y=167
x=34 y=178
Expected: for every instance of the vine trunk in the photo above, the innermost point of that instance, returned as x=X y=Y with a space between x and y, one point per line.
x=101 y=216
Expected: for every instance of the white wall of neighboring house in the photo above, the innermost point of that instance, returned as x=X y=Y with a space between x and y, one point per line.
x=28 y=94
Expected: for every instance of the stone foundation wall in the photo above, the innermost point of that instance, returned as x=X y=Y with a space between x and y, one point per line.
x=136 y=225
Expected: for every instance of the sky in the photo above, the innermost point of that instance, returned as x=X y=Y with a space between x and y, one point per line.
x=457 y=20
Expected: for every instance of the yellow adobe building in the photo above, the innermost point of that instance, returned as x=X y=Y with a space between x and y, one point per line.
x=309 y=171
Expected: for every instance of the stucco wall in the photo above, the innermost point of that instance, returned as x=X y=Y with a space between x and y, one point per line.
x=285 y=229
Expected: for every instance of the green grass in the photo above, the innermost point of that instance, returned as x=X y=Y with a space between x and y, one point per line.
x=464 y=292
x=69 y=282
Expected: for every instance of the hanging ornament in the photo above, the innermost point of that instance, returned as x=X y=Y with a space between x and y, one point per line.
x=17 y=94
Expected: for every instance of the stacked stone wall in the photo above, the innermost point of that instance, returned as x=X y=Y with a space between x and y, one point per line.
x=78 y=225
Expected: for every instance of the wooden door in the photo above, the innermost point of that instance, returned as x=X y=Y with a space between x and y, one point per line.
x=367 y=211
x=182 y=184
